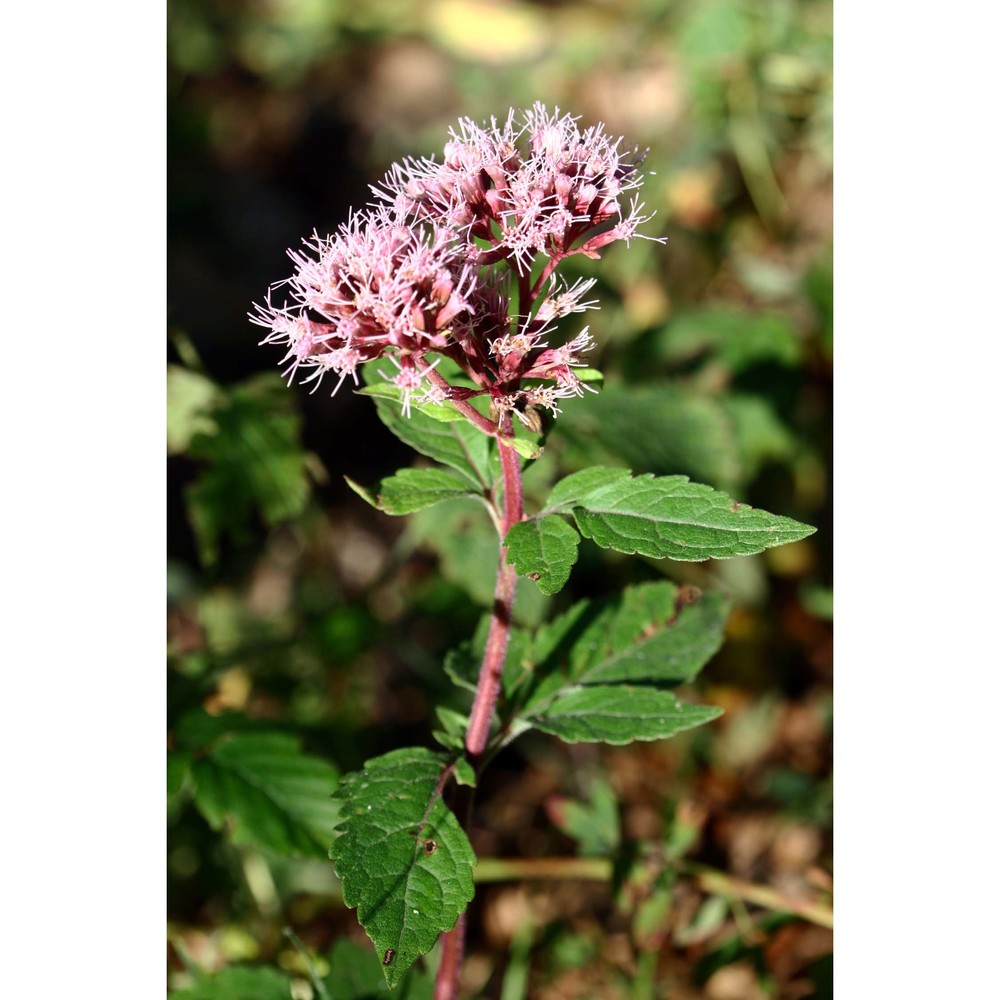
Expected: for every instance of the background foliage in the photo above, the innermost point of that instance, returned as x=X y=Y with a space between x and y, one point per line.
x=307 y=632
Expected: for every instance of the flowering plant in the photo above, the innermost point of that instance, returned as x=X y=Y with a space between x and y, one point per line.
x=451 y=276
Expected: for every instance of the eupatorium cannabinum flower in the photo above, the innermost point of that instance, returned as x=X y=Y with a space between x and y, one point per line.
x=432 y=267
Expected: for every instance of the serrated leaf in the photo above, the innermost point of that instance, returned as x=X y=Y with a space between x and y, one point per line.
x=569 y=490
x=655 y=633
x=544 y=550
x=618 y=714
x=239 y=983
x=669 y=516
x=268 y=792
x=356 y=974
x=457 y=444
x=255 y=462
x=410 y=490
x=404 y=860
x=465 y=540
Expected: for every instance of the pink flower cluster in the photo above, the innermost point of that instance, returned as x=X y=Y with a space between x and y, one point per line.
x=432 y=266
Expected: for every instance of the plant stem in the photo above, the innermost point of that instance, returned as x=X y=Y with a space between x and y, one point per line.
x=491 y=671
x=452 y=947
x=490 y=675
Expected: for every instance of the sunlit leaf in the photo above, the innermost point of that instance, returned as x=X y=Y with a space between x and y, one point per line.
x=544 y=550
x=405 y=862
x=670 y=516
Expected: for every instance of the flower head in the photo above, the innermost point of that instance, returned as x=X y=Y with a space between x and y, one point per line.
x=434 y=266
x=538 y=186
x=380 y=283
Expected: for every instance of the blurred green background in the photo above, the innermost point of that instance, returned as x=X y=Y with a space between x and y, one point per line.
x=294 y=608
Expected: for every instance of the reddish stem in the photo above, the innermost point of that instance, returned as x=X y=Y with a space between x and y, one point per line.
x=490 y=676
x=452 y=948
x=491 y=671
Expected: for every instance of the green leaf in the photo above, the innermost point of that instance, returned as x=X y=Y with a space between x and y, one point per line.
x=525 y=448
x=457 y=444
x=618 y=714
x=466 y=542
x=404 y=860
x=268 y=792
x=255 y=463
x=239 y=983
x=625 y=650
x=568 y=491
x=356 y=974
x=670 y=516
x=443 y=412
x=178 y=768
x=190 y=400
x=465 y=773
x=759 y=433
x=452 y=736
x=197 y=729
x=655 y=633
x=737 y=338
x=410 y=490
x=544 y=550
x=594 y=824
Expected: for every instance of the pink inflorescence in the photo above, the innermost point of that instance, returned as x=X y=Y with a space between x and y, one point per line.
x=431 y=268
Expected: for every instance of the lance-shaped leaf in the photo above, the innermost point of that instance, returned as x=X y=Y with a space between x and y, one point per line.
x=268 y=792
x=404 y=860
x=544 y=550
x=455 y=443
x=655 y=633
x=669 y=516
x=414 y=489
x=618 y=714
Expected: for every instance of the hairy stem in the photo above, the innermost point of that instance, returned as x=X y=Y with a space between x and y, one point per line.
x=491 y=671
x=452 y=948
x=490 y=675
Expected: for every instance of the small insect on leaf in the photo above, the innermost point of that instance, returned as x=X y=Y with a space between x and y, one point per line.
x=388 y=956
